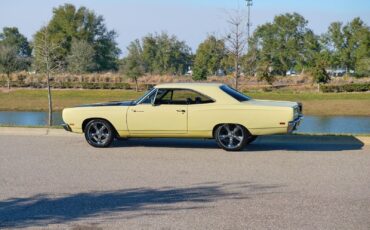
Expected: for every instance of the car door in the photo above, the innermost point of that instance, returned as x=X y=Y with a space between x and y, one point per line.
x=157 y=114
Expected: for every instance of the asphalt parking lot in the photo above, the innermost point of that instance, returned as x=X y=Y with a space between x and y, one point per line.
x=60 y=182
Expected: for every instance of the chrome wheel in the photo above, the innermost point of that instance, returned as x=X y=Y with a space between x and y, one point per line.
x=231 y=136
x=99 y=133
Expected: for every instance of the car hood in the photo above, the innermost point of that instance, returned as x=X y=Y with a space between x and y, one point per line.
x=272 y=103
x=112 y=103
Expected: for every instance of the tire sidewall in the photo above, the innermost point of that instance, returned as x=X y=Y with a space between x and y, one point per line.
x=110 y=130
x=246 y=135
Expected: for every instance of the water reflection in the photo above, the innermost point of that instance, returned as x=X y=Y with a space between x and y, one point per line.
x=310 y=124
x=28 y=118
x=335 y=124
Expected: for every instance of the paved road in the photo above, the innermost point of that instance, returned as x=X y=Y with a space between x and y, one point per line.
x=60 y=182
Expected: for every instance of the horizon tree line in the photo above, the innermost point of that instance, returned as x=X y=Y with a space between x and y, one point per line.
x=86 y=45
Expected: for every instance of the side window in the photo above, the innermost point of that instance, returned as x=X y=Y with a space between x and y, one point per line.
x=164 y=98
x=183 y=96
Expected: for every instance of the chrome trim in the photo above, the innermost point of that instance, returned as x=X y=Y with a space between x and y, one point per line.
x=292 y=125
x=145 y=96
x=67 y=127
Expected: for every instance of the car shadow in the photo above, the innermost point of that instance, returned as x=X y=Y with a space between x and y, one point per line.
x=263 y=143
x=44 y=209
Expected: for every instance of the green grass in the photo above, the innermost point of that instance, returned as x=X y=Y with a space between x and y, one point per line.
x=36 y=100
x=307 y=96
x=313 y=103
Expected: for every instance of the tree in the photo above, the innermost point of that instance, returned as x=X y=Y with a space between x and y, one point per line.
x=14 y=52
x=11 y=37
x=9 y=61
x=133 y=65
x=81 y=58
x=164 y=54
x=69 y=23
x=199 y=73
x=284 y=44
x=236 y=42
x=149 y=44
x=208 y=58
x=47 y=61
x=319 y=72
x=349 y=45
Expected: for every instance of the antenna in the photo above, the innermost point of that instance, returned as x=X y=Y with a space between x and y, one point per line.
x=249 y=24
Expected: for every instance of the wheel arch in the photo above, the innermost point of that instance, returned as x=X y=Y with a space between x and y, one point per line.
x=219 y=124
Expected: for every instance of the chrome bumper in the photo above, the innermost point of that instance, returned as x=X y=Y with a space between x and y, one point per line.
x=292 y=125
x=67 y=127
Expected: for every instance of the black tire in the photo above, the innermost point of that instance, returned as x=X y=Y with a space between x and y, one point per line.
x=232 y=137
x=99 y=133
x=251 y=139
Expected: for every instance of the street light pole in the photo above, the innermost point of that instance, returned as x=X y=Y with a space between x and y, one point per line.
x=249 y=4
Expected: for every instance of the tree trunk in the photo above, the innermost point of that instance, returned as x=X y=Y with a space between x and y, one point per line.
x=50 y=117
x=236 y=72
x=8 y=76
x=136 y=85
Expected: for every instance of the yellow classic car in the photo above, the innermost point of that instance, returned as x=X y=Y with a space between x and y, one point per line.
x=185 y=110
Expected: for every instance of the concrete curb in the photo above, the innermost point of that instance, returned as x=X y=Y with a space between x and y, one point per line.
x=22 y=131
x=278 y=139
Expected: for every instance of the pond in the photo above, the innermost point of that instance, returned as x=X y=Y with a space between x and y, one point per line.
x=310 y=124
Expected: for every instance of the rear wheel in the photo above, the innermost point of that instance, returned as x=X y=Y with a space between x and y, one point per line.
x=232 y=137
x=99 y=133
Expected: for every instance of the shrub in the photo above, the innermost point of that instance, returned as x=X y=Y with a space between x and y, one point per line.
x=319 y=72
x=355 y=87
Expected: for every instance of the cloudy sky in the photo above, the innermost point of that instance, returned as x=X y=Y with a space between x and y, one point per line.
x=189 y=20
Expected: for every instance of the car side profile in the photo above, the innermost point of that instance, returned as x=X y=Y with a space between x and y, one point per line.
x=185 y=110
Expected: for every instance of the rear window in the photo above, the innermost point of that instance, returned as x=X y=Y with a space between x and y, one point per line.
x=234 y=93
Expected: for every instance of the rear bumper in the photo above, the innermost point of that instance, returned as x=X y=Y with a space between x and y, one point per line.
x=67 y=127
x=292 y=125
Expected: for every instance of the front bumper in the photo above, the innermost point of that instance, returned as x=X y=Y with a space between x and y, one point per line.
x=292 y=125
x=67 y=127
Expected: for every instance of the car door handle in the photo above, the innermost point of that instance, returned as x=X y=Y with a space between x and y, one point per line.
x=137 y=111
x=181 y=110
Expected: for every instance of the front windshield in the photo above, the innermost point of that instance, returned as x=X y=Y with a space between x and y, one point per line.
x=234 y=93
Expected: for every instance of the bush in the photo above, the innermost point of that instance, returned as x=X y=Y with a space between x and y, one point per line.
x=355 y=87
x=320 y=75
x=199 y=73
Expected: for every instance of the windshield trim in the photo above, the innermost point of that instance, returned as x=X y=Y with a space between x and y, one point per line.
x=142 y=98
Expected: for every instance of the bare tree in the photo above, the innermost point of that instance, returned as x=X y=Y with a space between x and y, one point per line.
x=47 y=62
x=236 y=41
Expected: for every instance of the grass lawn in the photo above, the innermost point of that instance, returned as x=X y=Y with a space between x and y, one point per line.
x=313 y=103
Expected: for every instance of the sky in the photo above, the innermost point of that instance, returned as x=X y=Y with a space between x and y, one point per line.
x=190 y=20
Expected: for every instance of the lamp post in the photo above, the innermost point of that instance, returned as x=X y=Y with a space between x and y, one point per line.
x=249 y=4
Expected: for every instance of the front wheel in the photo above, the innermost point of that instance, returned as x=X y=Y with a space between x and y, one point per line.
x=232 y=137
x=99 y=133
